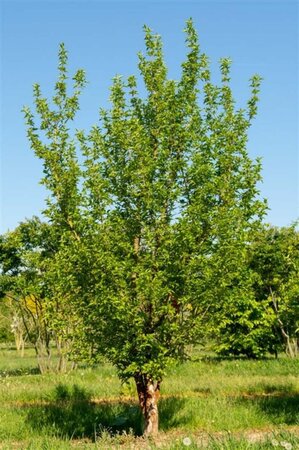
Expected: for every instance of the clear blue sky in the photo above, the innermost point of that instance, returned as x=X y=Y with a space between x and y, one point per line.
x=104 y=38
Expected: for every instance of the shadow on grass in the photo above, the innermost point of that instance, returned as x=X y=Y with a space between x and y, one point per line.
x=172 y=413
x=283 y=408
x=280 y=405
x=73 y=414
x=19 y=372
x=271 y=388
x=216 y=359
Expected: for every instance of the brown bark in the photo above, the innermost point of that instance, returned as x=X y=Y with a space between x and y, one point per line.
x=148 y=395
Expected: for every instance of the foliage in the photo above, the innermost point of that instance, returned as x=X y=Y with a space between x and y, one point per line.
x=6 y=334
x=154 y=214
x=275 y=260
x=245 y=328
x=27 y=254
x=266 y=318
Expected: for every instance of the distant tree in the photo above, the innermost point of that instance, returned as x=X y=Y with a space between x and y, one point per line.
x=154 y=215
x=244 y=324
x=275 y=260
x=265 y=317
x=6 y=332
x=27 y=254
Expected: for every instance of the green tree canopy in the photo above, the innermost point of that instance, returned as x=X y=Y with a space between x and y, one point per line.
x=275 y=260
x=155 y=207
x=27 y=281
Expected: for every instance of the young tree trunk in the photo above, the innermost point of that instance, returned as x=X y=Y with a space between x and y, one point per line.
x=19 y=334
x=289 y=349
x=148 y=395
x=20 y=343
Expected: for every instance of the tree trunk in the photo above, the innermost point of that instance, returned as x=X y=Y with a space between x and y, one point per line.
x=148 y=395
x=291 y=350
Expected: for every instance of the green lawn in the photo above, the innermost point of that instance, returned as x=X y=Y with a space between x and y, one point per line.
x=215 y=404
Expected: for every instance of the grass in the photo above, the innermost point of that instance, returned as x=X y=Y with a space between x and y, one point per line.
x=213 y=403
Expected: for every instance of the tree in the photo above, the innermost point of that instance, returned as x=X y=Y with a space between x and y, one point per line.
x=244 y=326
x=6 y=332
x=265 y=317
x=23 y=288
x=156 y=212
x=275 y=260
x=27 y=255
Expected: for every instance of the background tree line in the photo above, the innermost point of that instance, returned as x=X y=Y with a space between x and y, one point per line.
x=266 y=322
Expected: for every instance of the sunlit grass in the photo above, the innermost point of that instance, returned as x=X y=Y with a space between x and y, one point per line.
x=90 y=406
